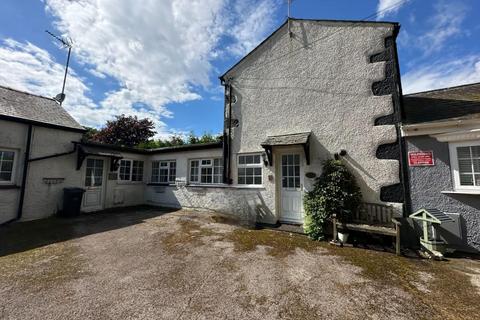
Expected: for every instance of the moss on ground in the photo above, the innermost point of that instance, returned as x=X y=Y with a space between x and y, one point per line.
x=41 y=268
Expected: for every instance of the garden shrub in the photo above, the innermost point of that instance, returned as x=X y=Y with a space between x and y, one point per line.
x=335 y=191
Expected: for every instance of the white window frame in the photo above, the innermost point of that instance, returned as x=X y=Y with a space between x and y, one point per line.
x=130 y=173
x=251 y=165
x=14 y=166
x=169 y=181
x=454 y=164
x=201 y=165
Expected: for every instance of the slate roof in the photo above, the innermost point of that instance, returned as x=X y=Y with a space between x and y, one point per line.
x=25 y=107
x=442 y=104
x=287 y=139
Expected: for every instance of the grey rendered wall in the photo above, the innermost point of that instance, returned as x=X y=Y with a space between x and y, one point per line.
x=319 y=80
x=426 y=185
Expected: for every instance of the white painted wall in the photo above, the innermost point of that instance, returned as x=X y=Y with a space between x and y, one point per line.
x=319 y=80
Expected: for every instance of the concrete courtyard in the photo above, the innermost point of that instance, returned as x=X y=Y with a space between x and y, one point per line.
x=146 y=263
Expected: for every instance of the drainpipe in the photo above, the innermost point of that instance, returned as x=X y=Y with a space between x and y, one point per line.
x=25 y=173
x=229 y=179
x=407 y=204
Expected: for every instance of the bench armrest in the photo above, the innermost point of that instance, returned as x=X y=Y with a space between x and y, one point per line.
x=396 y=221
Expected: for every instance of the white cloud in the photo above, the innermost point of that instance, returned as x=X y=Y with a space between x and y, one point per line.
x=253 y=20
x=159 y=51
x=386 y=7
x=29 y=68
x=442 y=74
x=444 y=24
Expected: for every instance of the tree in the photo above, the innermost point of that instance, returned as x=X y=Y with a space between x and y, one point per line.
x=178 y=140
x=126 y=131
x=88 y=135
x=335 y=191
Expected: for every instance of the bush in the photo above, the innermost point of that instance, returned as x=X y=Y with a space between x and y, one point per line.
x=335 y=191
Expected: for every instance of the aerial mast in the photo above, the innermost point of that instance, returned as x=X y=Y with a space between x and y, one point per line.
x=66 y=43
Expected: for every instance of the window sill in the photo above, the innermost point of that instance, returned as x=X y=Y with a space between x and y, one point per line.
x=473 y=192
x=9 y=186
x=159 y=184
x=126 y=182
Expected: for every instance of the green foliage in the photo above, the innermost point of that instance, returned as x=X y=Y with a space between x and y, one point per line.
x=125 y=131
x=335 y=191
x=178 y=140
x=89 y=134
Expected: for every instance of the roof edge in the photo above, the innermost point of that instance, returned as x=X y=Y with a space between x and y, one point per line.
x=395 y=24
x=443 y=89
x=28 y=93
x=41 y=124
x=186 y=147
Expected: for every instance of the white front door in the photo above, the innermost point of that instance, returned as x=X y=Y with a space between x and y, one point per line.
x=94 y=185
x=291 y=188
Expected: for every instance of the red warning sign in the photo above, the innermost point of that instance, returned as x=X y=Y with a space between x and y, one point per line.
x=420 y=158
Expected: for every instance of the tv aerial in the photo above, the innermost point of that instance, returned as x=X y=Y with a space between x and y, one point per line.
x=66 y=43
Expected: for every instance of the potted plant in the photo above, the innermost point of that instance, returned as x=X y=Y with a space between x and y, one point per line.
x=335 y=192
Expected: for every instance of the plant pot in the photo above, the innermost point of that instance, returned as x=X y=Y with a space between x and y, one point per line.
x=342 y=237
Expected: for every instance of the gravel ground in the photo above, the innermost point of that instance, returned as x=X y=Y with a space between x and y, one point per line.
x=146 y=263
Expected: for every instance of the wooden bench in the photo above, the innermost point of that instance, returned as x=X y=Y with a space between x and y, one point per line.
x=372 y=218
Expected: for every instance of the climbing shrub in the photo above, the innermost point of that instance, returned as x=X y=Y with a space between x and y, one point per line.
x=335 y=191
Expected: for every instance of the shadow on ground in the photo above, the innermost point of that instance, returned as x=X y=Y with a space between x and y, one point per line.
x=23 y=236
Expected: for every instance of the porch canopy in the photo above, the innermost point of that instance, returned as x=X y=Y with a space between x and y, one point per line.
x=302 y=139
x=85 y=151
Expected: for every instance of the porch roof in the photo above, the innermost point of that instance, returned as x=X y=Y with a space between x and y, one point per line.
x=287 y=139
x=301 y=138
x=84 y=151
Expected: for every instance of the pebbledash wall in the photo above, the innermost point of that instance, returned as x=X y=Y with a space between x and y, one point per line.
x=427 y=184
x=246 y=203
x=335 y=79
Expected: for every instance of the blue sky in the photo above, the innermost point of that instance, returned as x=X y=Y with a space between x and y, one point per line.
x=162 y=59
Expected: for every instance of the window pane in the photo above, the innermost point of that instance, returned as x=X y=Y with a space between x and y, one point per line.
x=477 y=179
x=6 y=166
x=464 y=166
x=466 y=180
x=463 y=152
x=284 y=160
x=258 y=171
x=241 y=159
x=241 y=180
x=249 y=180
x=475 y=151
x=258 y=180
x=7 y=155
x=241 y=171
x=5 y=176
x=257 y=159
x=297 y=182
x=476 y=165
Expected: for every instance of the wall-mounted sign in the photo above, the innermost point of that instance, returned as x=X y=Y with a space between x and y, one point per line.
x=420 y=158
